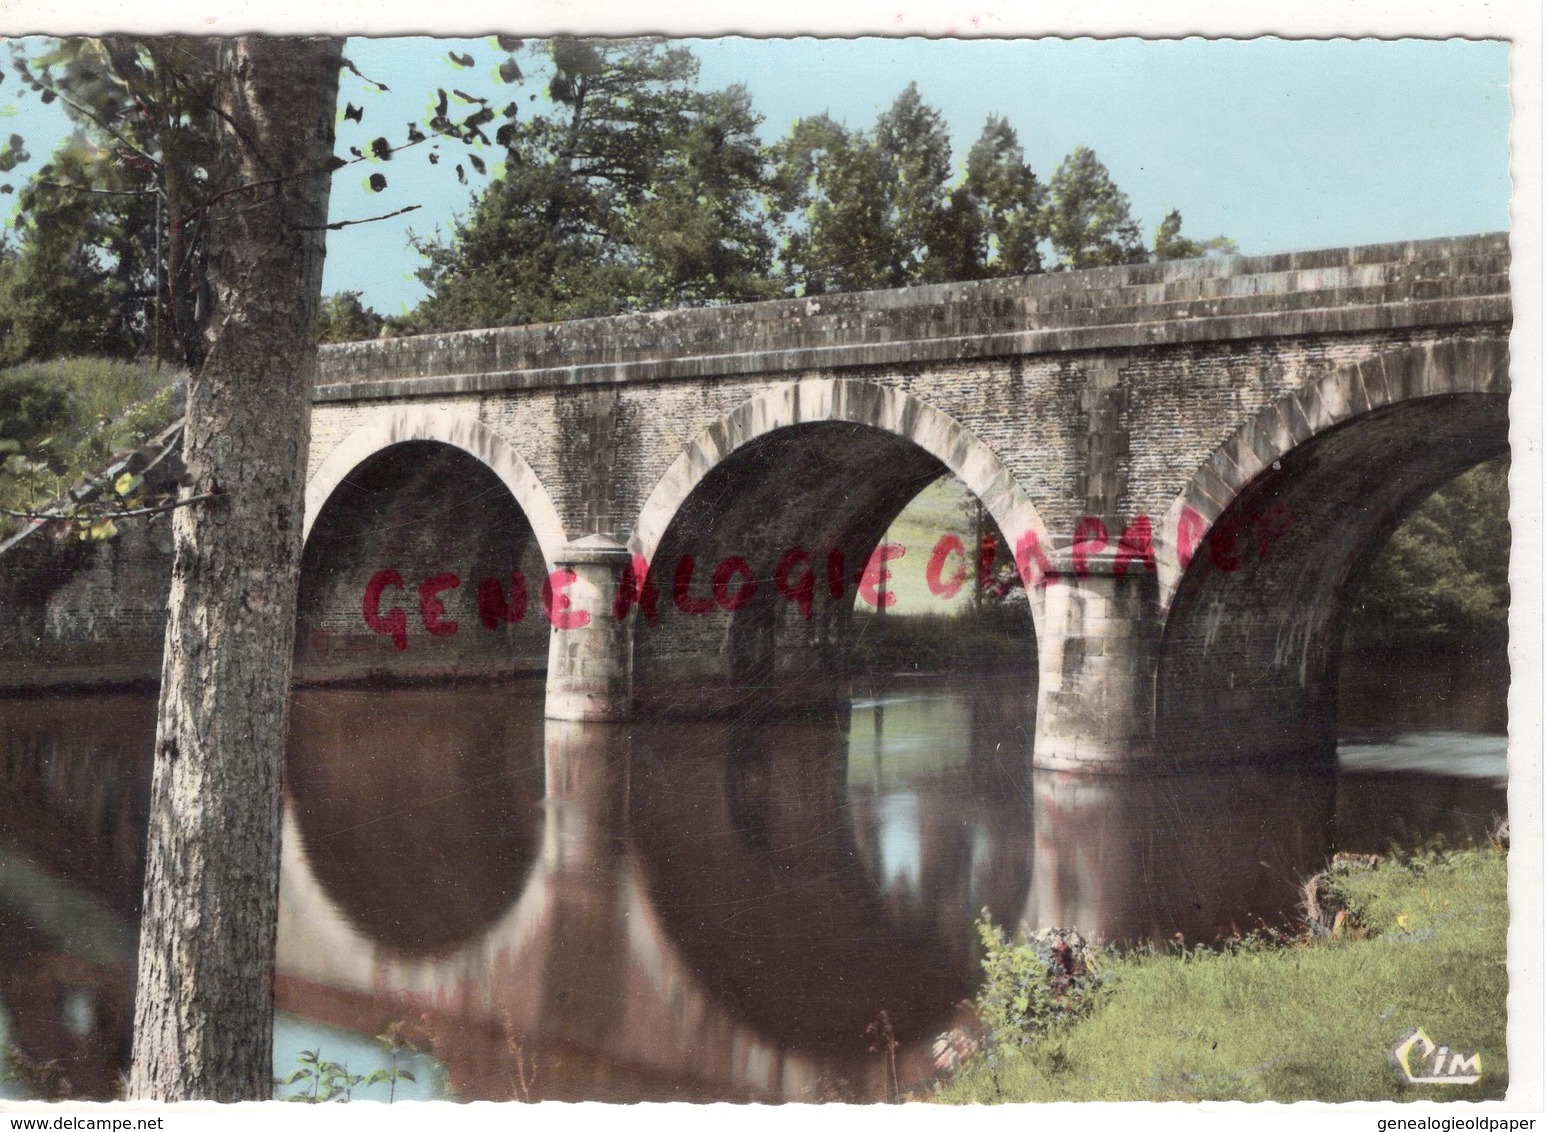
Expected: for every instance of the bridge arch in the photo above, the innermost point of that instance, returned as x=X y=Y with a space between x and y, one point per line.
x=814 y=470
x=884 y=408
x=1451 y=367
x=402 y=425
x=427 y=541
x=1262 y=552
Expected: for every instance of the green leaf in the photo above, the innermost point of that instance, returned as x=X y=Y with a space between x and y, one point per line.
x=127 y=482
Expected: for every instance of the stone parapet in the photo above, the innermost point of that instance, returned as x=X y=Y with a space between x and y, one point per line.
x=1423 y=283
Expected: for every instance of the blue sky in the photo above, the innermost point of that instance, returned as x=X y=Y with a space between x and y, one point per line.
x=1280 y=144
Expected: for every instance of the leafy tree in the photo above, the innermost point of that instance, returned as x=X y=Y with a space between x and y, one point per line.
x=1169 y=243
x=203 y=1007
x=868 y=209
x=913 y=138
x=702 y=233
x=638 y=191
x=838 y=187
x=343 y=318
x=877 y=209
x=113 y=256
x=995 y=219
x=1442 y=578
x=80 y=282
x=238 y=134
x=118 y=208
x=1089 y=219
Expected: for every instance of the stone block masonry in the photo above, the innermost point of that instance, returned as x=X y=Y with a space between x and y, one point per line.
x=1190 y=461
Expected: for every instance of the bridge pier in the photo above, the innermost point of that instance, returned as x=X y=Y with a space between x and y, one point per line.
x=1096 y=660
x=590 y=664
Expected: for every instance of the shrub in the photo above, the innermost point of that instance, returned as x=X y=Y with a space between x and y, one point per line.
x=1042 y=980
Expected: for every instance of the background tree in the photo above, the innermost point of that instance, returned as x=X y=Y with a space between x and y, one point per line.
x=867 y=209
x=638 y=191
x=344 y=318
x=123 y=195
x=1089 y=219
x=1442 y=579
x=836 y=189
x=1169 y=243
x=995 y=219
x=80 y=281
x=912 y=139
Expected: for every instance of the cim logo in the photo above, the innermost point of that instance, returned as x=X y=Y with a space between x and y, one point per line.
x=1422 y=1061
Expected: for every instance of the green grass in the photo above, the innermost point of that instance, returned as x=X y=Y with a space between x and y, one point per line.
x=1307 y=1020
x=108 y=406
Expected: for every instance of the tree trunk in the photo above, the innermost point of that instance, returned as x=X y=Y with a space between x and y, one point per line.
x=203 y=1018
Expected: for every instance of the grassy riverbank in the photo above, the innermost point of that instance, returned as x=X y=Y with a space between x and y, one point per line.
x=1423 y=945
x=62 y=420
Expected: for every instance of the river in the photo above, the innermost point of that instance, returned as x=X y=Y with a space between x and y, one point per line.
x=748 y=908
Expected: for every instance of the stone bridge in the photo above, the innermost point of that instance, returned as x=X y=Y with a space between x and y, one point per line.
x=1189 y=463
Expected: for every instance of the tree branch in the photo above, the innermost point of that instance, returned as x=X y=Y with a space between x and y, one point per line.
x=95 y=192
x=337 y=224
x=235 y=189
x=131 y=513
x=86 y=112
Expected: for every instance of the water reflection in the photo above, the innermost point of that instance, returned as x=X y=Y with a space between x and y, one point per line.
x=72 y=829
x=417 y=811
x=1196 y=855
x=806 y=904
x=659 y=910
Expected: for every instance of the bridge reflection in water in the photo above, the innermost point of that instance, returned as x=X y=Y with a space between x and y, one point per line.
x=712 y=909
